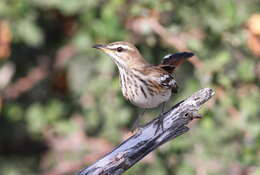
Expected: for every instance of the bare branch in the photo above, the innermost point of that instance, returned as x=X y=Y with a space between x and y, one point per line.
x=146 y=139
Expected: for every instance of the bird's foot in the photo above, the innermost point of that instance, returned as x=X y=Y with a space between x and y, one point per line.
x=135 y=127
x=136 y=130
x=159 y=123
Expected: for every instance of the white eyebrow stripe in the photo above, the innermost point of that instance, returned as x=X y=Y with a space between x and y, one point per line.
x=114 y=46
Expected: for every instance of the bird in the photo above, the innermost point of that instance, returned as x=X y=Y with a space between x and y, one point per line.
x=143 y=84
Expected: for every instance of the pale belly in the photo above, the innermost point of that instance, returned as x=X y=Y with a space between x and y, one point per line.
x=151 y=101
x=137 y=92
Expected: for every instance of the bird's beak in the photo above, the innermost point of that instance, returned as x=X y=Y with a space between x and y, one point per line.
x=100 y=46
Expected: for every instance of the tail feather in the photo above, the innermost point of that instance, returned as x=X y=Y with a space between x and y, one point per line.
x=171 y=61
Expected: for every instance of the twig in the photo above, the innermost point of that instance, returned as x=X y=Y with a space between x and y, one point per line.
x=146 y=140
x=26 y=83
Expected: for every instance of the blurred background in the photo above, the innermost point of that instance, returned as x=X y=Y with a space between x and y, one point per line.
x=61 y=105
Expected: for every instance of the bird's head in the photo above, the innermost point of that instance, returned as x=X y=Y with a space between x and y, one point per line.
x=123 y=53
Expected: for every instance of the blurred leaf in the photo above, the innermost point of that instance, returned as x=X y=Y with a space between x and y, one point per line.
x=246 y=70
x=15 y=112
x=54 y=111
x=36 y=118
x=29 y=32
x=218 y=62
x=65 y=127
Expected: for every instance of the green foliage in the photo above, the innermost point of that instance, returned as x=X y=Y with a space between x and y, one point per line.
x=64 y=102
x=40 y=116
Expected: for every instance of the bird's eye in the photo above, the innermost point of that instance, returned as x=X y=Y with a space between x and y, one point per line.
x=119 y=49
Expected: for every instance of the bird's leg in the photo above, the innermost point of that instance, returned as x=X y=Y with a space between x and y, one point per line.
x=160 y=119
x=137 y=120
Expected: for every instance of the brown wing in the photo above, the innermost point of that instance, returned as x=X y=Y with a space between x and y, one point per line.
x=171 y=61
x=164 y=77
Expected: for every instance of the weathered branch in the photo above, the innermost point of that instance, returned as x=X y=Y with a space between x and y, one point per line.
x=146 y=139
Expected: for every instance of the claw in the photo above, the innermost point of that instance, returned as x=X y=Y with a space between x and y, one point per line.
x=136 y=130
x=135 y=127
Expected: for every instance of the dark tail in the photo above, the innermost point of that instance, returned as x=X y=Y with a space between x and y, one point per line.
x=171 y=61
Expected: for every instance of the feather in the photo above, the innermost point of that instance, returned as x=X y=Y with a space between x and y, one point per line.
x=171 y=61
